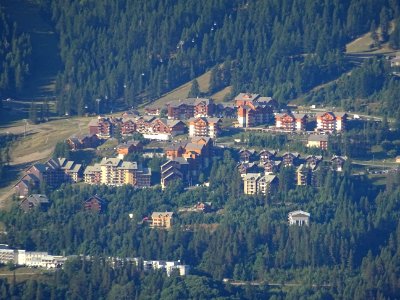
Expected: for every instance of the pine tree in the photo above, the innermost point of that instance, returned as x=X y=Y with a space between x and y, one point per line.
x=384 y=23
x=374 y=35
x=194 y=90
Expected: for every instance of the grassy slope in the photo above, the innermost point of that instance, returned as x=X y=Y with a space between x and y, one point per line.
x=45 y=59
x=182 y=91
x=36 y=145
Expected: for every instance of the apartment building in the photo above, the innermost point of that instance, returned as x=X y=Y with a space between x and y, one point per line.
x=256 y=183
x=253 y=110
x=331 y=121
x=291 y=122
x=116 y=172
x=161 y=219
x=203 y=126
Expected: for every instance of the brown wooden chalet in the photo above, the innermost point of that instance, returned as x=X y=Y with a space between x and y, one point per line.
x=290 y=159
x=83 y=142
x=130 y=147
x=247 y=155
x=189 y=108
x=95 y=204
x=266 y=155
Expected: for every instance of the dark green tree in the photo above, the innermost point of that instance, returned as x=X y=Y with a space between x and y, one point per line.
x=194 y=89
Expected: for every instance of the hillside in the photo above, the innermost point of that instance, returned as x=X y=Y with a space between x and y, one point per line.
x=121 y=56
x=45 y=61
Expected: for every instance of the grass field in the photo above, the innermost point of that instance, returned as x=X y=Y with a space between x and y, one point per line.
x=36 y=143
x=182 y=91
x=22 y=273
x=363 y=45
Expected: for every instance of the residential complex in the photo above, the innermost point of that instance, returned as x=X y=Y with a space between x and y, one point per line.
x=116 y=172
x=186 y=159
x=151 y=127
x=52 y=173
x=253 y=110
x=189 y=108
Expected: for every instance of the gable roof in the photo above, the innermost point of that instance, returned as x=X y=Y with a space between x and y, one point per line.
x=157 y=214
x=97 y=198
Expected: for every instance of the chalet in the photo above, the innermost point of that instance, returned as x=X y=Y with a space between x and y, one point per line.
x=174 y=150
x=153 y=110
x=24 y=186
x=161 y=220
x=203 y=126
x=203 y=107
x=207 y=144
x=290 y=159
x=337 y=163
x=83 y=142
x=162 y=129
x=102 y=127
x=39 y=201
x=143 y=123
x=203 y=207
x=312 y=161
x=271 y=166
x=129 y=147
x=247 y=155
x=127 y=126
x=299 y=218
x=266 y=155
x=176 y=127
x=331 y=121
x=291 y=122
x=318 y=141
x=189 y=108
x=245 y=168
x=94 y=204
